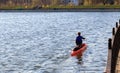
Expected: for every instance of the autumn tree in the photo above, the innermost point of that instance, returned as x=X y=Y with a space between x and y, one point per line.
x=117 y=2
x=97 y=2
x=55 y=2
x=87 y=2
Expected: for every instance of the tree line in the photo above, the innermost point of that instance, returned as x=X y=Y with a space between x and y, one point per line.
x=47 y=3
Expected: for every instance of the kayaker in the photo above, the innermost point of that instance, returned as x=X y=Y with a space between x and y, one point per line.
x=79 y=39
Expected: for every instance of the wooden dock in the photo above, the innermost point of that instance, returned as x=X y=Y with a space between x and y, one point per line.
x=118 y=64
x=113 y=62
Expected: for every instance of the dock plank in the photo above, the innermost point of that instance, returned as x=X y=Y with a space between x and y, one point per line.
x=118 y=64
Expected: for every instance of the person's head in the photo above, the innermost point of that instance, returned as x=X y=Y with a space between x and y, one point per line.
x=79 y=33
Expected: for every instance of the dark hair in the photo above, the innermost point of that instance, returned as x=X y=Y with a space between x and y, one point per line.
x=79 y=33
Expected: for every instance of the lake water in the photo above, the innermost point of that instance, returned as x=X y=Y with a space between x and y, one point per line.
x=38 y=42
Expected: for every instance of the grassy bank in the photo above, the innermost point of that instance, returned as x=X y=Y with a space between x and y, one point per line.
x=16 y=7
x=62 y=7
x=89 y=6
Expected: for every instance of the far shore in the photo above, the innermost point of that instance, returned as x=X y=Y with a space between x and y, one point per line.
x=64 y=10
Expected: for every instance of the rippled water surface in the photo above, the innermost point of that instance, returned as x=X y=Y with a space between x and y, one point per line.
x=41 y=42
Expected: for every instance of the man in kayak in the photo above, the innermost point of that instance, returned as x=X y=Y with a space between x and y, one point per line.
x=79 y=39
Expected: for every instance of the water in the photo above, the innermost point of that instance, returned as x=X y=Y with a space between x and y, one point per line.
x=41 y=42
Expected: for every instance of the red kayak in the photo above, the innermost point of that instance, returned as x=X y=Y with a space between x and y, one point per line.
x=79 y=51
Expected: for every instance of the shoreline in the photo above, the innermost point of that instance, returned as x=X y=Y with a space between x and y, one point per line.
x=63 y=10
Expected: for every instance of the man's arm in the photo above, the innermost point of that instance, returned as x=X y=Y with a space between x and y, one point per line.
x=83 y=38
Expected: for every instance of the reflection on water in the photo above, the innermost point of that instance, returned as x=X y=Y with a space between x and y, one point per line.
x=41 y=42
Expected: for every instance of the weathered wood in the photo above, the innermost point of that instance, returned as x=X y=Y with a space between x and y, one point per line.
x=114 y=47
x=116 y=24
x=119 y=21
x=108 y=68
x=110 y=43
x=118 y=64
x=113 y=31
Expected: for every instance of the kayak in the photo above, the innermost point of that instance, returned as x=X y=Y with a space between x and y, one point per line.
x=79 y=50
